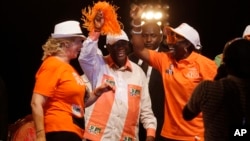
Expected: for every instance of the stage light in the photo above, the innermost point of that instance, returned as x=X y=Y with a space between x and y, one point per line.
x=158 y=15
x=155 y=13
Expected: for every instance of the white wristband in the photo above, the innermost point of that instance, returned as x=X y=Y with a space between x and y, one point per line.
x=136 y=32
x=134 y=25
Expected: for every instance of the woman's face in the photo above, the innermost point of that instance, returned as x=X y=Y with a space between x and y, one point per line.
x=74 y=47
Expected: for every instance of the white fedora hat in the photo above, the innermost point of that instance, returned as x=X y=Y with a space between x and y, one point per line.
x=189 y=33
x=111 y=39
x=67 y=29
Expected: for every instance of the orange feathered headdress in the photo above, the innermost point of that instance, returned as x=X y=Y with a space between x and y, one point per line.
x=111 y=23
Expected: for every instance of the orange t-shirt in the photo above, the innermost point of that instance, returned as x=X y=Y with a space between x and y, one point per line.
x=65 y=91
x=180 y=79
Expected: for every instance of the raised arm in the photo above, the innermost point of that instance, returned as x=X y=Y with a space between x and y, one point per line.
x=89 y=58
x=137 y=41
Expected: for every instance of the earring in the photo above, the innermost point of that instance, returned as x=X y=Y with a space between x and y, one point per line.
x=186 y=50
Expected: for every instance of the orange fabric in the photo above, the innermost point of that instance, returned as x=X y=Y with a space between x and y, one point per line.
x=151 y=132
x=65 y=89
x=113 y=26
x=134 y=97
x=180 y=78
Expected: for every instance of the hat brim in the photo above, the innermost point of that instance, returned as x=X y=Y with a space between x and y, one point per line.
x=67 y=36
x=168 y=28
x=170 y=32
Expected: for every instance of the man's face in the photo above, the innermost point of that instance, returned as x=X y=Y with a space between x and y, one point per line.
x=178 y=45
x=152 y=37
x=119 y=51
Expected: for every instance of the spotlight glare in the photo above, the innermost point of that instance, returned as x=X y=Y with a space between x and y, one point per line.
x=155 y=13
x=159 y=23
x=158 y=15
x=143 y=15
x=149 y=15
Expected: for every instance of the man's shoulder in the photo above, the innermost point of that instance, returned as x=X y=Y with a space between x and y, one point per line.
x=134 y=65
x=211 y=85
x=204 y=60
x=136 y=68
x=133 y=57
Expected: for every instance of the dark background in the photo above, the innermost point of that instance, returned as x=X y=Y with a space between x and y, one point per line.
x=26 y=25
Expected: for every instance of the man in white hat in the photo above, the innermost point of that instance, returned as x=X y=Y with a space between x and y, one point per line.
x=116 y=114
x=182 y=68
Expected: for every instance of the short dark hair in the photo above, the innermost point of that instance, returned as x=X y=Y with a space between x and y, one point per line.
x=236 y=56
x=152 y=24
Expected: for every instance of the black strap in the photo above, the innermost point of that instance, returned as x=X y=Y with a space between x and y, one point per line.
x=144 y=67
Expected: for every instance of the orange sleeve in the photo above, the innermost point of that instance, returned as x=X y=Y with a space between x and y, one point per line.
x=156 y=58
x=46 y=78
x=208 y=69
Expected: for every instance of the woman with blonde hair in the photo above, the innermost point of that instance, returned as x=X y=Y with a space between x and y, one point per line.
x=58 y=96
